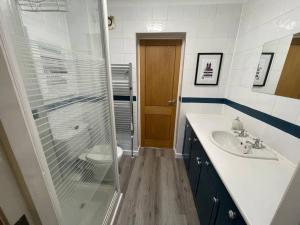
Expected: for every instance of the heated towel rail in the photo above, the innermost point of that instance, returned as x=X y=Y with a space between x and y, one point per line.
x=123 y=103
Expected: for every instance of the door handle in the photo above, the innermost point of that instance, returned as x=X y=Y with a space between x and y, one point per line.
x=172 y=102
x=215 y=200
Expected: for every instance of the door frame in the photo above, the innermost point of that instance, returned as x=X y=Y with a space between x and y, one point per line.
x=159 y=36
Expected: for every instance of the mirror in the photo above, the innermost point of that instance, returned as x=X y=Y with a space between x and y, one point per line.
x=278 y=71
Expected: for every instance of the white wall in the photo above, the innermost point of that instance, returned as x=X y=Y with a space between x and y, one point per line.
x=75 y=33
x=50 y=28
x=84 y=29
x=209 y=28
x=263 y=21
x=12 y=201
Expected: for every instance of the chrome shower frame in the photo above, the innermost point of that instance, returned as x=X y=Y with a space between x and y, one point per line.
x=27 y=145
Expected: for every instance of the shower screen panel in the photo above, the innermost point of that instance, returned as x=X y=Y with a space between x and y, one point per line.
x=60 y=51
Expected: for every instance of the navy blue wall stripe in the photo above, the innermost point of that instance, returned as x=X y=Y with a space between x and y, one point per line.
x=202 y=100
x=283 y=125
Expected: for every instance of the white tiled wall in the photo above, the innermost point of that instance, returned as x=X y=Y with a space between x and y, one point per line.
x=47 y=28
x=195 y=108
x=209 y=28
x=263 y=21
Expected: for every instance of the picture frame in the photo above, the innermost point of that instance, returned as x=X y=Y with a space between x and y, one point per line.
x=263 y=69
x=208 y=68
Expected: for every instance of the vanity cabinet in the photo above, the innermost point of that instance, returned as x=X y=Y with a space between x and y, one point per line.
x=207 y=200
x=213 y=202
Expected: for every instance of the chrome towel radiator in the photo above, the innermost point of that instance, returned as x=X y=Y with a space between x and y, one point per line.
x=123 y=103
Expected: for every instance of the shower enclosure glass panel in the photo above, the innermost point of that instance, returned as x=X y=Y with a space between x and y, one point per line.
x=59 y=46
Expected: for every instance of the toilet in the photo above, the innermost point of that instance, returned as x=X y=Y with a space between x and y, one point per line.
x=100 y=156
x=66 y=136
x=119 y=152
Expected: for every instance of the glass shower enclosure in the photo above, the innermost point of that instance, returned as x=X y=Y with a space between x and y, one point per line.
x=61 y=51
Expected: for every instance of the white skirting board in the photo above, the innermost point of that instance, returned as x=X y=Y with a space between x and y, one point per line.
x=136 y=152
x=178 y=156
x=128 y=152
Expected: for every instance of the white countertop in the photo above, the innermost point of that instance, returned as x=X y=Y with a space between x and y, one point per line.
x=255 y=185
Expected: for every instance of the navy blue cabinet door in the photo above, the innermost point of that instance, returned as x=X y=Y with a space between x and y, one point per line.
x=195 y=163
x=213 y=202
x=206 y=198
x=228 y=214
x=187 y=145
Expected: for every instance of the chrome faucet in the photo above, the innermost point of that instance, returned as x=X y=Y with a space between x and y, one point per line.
x=257 y=144
x=241 y=133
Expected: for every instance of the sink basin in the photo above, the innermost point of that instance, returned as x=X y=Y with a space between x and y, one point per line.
x=230 y=143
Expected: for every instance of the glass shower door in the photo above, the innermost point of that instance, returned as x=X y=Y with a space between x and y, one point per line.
x=61 y=53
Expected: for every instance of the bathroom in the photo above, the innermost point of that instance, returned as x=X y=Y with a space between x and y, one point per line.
x=149 y=112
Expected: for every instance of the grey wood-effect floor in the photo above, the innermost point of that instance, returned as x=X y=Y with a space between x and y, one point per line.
x=156 y=190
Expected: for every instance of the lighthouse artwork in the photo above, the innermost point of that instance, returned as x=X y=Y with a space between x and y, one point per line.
x=208 y=68
x=263 y=69
x=208 y=71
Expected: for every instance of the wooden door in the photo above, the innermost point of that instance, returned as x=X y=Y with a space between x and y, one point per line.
x=159 y=73
x=289 y=82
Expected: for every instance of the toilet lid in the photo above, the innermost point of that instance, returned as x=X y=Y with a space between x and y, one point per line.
x=98 y=158
x=119 y=151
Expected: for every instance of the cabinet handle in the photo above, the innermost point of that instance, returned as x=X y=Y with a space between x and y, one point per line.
x=207 y=163
x=215 y=200
x=195 y=139
x=190 y=139
x=232 y=214
x=198 y=160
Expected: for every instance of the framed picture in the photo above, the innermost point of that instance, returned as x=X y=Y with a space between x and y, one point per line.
x=263 y=69
x=208 y=68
